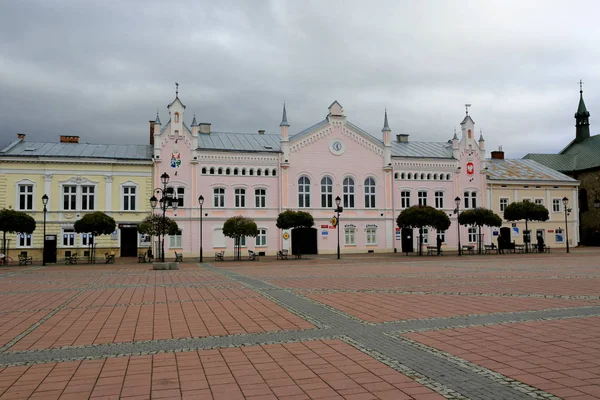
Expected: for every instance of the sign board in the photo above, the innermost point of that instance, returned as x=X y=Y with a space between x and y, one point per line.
x=286 y=236
x=325 y=226
x=121 y=226
x=550 y=230
x=495 y=233
x=324 y=233
x=515 y=232
x=334 y=221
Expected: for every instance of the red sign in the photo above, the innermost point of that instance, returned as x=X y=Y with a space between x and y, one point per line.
x=325 y=226
x=550 y=230
x=470 y=168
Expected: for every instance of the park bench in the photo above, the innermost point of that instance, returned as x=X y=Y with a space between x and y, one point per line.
x=72 y=259
x=489 y=249
x=109 y=258
x=468 y=249
x=252 y=256
x=178 y=257
x=24 y=260
x=432 y=251
x=282 y=254
x=219 y=255
x=142 y=257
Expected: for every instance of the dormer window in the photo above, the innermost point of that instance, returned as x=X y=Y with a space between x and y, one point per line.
x=468 y=132
x=177 y=118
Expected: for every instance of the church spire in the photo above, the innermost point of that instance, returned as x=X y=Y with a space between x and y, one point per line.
x=386 y=127
x=157 y=120
x=194 y=123
x=284 y=121
x=582 y=122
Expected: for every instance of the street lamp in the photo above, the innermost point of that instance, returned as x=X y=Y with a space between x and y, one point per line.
x=165 y=202
x=339 y=209
x=201 y=202
x=457 y=211
x=45 y=202
x=565 y=201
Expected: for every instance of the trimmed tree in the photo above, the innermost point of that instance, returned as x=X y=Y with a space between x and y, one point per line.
x=479 y=217
x=237 y=227
x=423 y=217
x=290 y=219
x=13 y=221
x=96 y=223
x=528 y=211
x=152 y=225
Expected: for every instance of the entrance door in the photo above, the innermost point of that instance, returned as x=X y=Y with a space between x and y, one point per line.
x=129 y=239
x=407 y=240
x=50 y=248
x=304 y=240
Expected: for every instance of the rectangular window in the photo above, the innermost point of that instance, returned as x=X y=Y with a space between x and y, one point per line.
x=466 y=197
x=69 y=198
x=68 y=237
x=528 y=200
x=425 y=235
x=129 y=198
x=441 y=235
x=240 y=198
x=473 y=199
x=422 y=196
x=180 y=196
x=175 y=241
x=87 y=197
x=472 y=235
x=242 y=241
x=439 y=199
x=219 y=197
x=555 y=205
x=371 y=235
x=503 y=203
x=405 y=199
x=260 y=198
x=261 y=238
x=25 y=197
x=539 y=201
x=86 y=239
x=350 y=236
x=24 y=240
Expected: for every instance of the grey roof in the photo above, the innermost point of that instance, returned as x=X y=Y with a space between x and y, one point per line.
x=157 y=120
x=422 y=149
x=110 y=151
x=225 y=141
x=523 y=170
x=575 y=157
x=194 y=123
x=284 y=121
x=309 y=129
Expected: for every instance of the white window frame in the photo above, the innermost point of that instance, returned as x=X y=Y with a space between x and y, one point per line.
x=526 y=200
x=503 y=203
x=304 y=183
x=239 y=197
x=136 y=196
x=404 y=198
x=69 y=235
x=425 y=233
x=260 y=198
x=219 y=197
x=326 y=192
x=422 y=197
x=439 y=199
x=371 y=235
x=242 y=241
x=370 y=192
x=87 y=196
x=261 y=238
x=84 y=239
x=176 y=241
x=539 y=201
x=348 y=190
x=556 y=205
x=441 y=234
x=350 y=236
x=180 y=196
x=24 y=240
x=32 y=195
x=71 y=195
x=470 y=199
x=472 y=234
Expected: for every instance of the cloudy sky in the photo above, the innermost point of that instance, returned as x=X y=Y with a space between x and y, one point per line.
x=100 y=69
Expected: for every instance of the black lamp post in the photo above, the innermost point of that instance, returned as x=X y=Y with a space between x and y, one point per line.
x=45 y=202
x=339 y=209
x=565 y=202
x=201 y=202
x=457 y=212
x=165 y=202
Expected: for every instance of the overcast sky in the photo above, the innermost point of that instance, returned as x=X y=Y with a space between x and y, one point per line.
x=100 y=69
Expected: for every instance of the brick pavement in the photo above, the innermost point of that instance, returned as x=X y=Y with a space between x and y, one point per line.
x=367 y=326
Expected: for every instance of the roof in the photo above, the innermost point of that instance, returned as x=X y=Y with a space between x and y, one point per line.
x=422 y=149
x=575 y=157
x=111 y=151
x=523 y=170
x=226 y=141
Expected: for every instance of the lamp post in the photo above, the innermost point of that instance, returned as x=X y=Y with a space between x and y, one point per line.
x=201 y=202
x=457 y=211
x=565 y=202
x=165 y=202
x=45 y=202
x=339 y=209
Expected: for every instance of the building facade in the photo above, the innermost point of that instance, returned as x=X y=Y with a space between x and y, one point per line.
x=77 y=178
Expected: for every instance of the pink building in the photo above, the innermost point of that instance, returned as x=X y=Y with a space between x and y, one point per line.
x=261 y=174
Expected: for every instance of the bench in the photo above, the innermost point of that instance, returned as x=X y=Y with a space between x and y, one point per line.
x=432 y=251
x=24 y=260
x=72 y=259
x=468 y=249
x=109 y=258
x=519 y=248
x=219 y=255
x=489 y=249
x=252 y=256
x=282 y=254
x=178 y=257
x=142 y=257
x=546 y=249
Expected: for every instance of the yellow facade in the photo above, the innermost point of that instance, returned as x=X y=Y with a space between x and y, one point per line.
x=75 y=186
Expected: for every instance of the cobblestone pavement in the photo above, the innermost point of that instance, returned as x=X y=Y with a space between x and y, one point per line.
x=364 y=327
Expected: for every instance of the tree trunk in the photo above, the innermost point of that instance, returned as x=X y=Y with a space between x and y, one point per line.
x=525 y=233
x=4 y=247
x=479 y=241
x=420 y=242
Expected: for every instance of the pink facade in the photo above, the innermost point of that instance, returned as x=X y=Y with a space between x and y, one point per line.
x=261 y=174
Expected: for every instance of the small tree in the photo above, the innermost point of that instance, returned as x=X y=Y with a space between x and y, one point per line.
x=96 y=223
x=13 y=221
x=290 y=219
x=422 y=217
x=153 y=224
x=479 y=217
x=238 y=226
x=529 y=212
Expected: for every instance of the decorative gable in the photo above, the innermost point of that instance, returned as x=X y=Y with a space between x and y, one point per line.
x=336 y=109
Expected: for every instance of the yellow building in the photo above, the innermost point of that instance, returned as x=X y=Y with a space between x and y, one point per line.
x=511 y=181
x=78 y=178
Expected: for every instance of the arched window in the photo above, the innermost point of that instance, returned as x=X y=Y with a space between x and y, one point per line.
x=212 y=171
x=235 y=171
x=402 y=175
x=243 y=171
x=422 y=176
x=258 y=172
x=348 y=189
x=176 y=117
x=409 y=175
x=266 y=172
x=441 y=177
x=416 y=176
x=220 y=171
x=274 y=172
x=369 y=193
x=304 y=192
x=204 y=170
x=251 y=172
x=228 y=171
x=435 y=176
x=395 y=175
x=428 y=176
x=447 y=177
x=326 y=192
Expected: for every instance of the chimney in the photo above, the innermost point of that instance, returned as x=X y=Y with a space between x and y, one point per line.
x=151 y=133
x=402 y=138
x=21 y=137
x=69 y=139
x=204 y=127
x=498 y=155
x=261 y=131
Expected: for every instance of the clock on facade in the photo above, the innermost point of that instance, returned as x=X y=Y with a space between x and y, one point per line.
x=337 y=147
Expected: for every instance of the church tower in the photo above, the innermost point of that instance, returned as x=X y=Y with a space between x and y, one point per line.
x=582 y=118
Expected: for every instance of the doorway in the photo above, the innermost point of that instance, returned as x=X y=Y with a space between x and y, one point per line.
x=304 y=241
x=50 y=248
x=407 y=240
x=129 y=240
